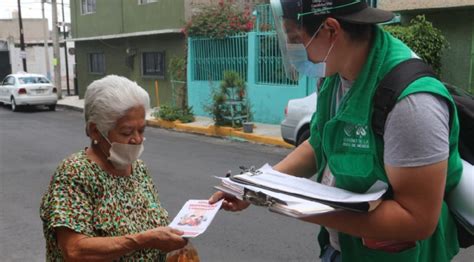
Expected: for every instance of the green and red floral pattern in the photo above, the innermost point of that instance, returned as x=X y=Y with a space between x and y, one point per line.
x=86 y=199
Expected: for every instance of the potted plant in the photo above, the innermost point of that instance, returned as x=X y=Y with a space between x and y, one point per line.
x=248 y=124
x=229 y=106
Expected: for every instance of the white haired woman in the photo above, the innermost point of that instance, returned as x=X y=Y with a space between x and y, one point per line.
x=101 y=203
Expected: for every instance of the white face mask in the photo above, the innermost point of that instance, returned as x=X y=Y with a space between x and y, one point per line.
x=123 y=155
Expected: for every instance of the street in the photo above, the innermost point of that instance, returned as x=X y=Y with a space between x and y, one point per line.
x=33 y=142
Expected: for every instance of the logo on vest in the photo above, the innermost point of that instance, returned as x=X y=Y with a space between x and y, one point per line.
x=356 y=136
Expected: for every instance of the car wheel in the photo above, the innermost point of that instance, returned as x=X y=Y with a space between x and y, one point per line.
x=303 y=137
x=13 y=104
x=52 y=107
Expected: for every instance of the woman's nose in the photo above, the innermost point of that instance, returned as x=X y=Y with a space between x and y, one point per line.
x=137 y=139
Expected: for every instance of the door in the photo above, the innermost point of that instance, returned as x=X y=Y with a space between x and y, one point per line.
x=5 y=67
x=6 y=88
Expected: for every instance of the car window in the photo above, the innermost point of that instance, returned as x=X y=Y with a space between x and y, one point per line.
x=9 y=81
x=33 y=80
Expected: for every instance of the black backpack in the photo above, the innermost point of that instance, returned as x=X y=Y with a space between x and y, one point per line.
x=385 y=98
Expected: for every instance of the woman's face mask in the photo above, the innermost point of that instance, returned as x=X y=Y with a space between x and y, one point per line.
x=298 y=57
x=123 y=155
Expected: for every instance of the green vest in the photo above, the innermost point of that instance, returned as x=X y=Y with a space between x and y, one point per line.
x=354 y=154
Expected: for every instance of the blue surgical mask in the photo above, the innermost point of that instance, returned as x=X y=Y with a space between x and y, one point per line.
x=299 y=59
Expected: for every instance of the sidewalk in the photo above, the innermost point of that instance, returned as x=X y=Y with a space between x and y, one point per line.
x=262 y=133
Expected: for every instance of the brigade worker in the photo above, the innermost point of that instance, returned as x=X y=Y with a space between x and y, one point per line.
x=417 y=155
x=101 y=204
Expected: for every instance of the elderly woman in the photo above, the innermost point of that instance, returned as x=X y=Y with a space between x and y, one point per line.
x=101 y=203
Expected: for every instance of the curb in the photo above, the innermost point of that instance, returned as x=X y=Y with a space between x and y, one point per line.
x=74 y=108
x=219 y=131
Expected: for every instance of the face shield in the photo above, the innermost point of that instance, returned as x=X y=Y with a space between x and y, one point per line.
x=288 y=16
x=287 y=26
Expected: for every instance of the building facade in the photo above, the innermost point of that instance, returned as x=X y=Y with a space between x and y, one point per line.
x=131 y=38
x=38 y=60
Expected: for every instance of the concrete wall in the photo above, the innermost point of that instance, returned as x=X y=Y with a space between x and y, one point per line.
x=115 y=57
x=458 y=60
x=35 y=62
x=32 y=29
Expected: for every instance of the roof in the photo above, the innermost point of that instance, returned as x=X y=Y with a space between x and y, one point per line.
x=134 y=34
x=23 y=74
x=406 y=5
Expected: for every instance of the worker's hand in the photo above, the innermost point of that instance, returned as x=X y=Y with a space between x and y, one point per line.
x=230 y=203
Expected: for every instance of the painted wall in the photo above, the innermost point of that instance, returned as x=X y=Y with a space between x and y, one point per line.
x=126 y=16
x=115 y=60
x=268 y=102
x=163 y=14
x=457 y=61
x=107 y=20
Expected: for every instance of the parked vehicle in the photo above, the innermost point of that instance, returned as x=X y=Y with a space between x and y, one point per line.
x=298 y=113
x=25 y=89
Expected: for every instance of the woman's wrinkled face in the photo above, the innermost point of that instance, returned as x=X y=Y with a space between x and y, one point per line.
x=130 y=128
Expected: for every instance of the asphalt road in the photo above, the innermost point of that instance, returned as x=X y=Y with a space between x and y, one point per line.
x=33 y=142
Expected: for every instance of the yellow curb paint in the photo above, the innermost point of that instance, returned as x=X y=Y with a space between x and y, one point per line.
x=193 y=129
x=218 y=131
x=269 y=140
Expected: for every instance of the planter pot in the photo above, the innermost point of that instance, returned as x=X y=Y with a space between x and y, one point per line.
x=248 y=127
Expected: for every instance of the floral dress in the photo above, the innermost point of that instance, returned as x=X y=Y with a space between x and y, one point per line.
x=89 y=201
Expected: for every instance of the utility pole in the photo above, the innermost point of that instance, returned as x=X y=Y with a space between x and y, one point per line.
x=22 y=38
x=46 y=41
x=56 y=55
x=65 y=50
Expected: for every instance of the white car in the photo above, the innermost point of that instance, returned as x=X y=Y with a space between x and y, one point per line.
x=298 y=113
x=25 y=89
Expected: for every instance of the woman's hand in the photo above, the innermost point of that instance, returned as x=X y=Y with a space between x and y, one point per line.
x=163 y=238
x=79 y=247
x=230 y=203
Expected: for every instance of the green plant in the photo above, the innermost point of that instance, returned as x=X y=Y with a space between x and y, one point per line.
x=177 y=71
x=423 y=38
x=173 y=113
x=219 y=20
x=228 y=106
x=233 y=86
x=177 y=68
x=169 y=113
x=187 y=115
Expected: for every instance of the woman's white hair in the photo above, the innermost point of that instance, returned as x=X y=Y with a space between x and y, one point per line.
x=108 y=99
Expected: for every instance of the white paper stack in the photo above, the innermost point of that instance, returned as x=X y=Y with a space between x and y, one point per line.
x=297 y=197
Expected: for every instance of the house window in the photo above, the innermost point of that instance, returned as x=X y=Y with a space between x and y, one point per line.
x=97 y=63
x=153 y=64
x=144 y=2
x=88 y=6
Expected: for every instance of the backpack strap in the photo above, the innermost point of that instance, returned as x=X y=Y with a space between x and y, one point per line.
x=392 y=85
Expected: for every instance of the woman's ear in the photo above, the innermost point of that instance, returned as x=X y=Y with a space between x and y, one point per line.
x=93 y=132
